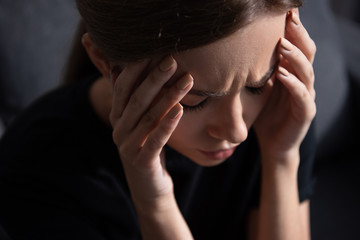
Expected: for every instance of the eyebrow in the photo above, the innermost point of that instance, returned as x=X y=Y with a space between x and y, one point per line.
x=264 y=78
x=258 y=83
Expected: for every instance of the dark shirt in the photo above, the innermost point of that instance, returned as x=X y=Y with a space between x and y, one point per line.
x=61 y=178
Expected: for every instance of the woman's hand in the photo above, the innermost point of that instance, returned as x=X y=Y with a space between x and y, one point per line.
x=143 y=117
x=286 y=118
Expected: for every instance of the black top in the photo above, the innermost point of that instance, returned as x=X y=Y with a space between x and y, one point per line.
x=61 y=178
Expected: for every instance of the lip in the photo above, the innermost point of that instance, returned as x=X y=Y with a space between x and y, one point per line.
x=220 y=154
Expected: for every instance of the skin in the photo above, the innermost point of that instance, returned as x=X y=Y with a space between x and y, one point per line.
x=147 y=116
x=236 y=63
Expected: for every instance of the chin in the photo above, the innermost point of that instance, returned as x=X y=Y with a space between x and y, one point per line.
x=204 y=161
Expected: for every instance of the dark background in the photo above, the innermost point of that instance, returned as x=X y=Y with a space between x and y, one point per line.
x=35 y=39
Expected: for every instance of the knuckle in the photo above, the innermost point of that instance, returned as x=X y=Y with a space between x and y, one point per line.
x=312 y=112
x=297 y=54
x=313 y=94
x=301 y=92
x=310 y=109
x=315 y=110
x=313 y=47
x=311 y=74
x=124 y=152
x=118 y=87
x=116 y=137
x=149 y=119
x=154 y=143
x=304 y=92
x=113 y=117
x=136 y=102
x=128 y=150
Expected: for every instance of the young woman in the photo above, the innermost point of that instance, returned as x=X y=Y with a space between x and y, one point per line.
x=195 y=125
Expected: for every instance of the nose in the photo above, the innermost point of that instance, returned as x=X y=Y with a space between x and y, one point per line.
x=228 y=121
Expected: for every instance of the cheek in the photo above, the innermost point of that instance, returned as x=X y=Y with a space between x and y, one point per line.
x=185 y=131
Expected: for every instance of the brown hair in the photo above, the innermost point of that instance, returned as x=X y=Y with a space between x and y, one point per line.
x=127 y=30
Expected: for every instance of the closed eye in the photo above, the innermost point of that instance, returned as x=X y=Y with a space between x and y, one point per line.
x=195 y=107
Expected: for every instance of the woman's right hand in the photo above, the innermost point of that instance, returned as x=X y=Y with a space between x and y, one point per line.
x=143 y=117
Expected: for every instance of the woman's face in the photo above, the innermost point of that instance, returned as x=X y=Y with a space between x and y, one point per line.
x=230 y=89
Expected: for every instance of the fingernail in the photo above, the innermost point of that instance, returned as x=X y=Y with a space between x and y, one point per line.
x=167 y=64
x=295 y=18
x=283 y=71
x=175 y=111
x=285 y=44
x=184 y=82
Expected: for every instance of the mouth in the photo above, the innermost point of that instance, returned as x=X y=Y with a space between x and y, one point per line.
x=220 y=154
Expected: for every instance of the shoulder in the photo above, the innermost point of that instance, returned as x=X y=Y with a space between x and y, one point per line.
x=60 y=155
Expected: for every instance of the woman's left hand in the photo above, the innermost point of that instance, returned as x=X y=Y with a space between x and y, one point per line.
x=286 y=118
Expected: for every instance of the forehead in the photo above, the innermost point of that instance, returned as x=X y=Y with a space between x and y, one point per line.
x=246 y=54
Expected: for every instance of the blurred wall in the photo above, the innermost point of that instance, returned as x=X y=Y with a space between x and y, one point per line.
x=35 y=37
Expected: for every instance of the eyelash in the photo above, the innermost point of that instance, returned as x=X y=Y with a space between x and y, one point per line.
x=256 y=90
x=196 y=107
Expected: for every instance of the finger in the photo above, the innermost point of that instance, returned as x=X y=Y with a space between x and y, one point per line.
x=159 y=137
x=123 y=87
x=154 y=115
x=301 y=96
x=302 y=68
x=297 y=34
x=296 y=10
x=148 y=90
